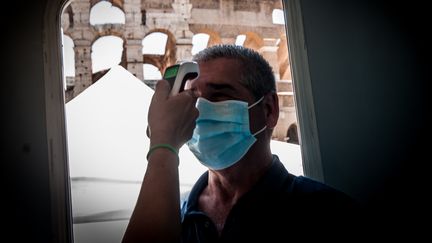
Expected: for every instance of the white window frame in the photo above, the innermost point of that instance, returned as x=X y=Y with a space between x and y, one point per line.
x=61 y=206
x=62 y=221
x=309 y=141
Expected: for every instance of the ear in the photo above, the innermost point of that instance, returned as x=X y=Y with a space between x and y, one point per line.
x=271 y=107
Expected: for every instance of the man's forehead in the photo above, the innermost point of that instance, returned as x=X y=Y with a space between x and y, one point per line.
x=220 y=69
x=218 y=80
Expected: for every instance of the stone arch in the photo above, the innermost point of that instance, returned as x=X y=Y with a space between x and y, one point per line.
x=153 y=62
x=283 y=59
x=99 y=74
x=118 y=3
x=114 y=9
x=150 y=63
x=199 y=42
x=278 y=16
x=277 y=5
x=292 y=134
x=169 y=58
x=214 y=37
x=154 y=43
x=68 y=22
x=253 y=40
x=107 y=32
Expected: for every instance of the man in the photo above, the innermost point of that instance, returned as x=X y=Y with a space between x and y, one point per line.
x=226 y=116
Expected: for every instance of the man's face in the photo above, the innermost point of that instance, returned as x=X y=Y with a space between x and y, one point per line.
x=220 y=80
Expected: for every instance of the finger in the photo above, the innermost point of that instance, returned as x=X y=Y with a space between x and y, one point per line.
x=191 y=93
x=148 y=131
x=192 y=125
x=162 y=90
x=195 y=113
x=187 y=96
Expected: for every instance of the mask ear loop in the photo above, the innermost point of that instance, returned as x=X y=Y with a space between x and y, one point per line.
x=260 y=131
x=254 y=104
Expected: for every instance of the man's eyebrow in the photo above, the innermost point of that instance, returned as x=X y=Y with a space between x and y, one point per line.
x=221 y=86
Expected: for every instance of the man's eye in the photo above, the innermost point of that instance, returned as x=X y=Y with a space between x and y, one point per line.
x=221 y=97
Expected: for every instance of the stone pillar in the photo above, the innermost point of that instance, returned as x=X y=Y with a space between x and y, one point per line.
x=134 y=33
x=182 y=9
x=81 y=10
x=228 y=40
x=83 y=37
x=283 y=57
x=226 y=8
x=287 y=113
x=83 y=66
x=269 y=52
x=184 y=49
x=134 y=57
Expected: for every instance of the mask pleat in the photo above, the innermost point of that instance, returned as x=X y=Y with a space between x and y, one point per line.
x=222 y=135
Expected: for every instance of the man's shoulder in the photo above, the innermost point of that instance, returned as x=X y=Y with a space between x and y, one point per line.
x=302 y=184
x=302 y=188
x=309 y=192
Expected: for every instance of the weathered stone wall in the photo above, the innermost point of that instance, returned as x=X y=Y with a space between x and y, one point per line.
x=222 y=20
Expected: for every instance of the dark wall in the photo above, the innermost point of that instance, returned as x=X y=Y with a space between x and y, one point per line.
x=368 y=84
x=368 y=70
x=27 y=199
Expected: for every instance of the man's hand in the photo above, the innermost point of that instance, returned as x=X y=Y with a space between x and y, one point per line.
x=171 y=119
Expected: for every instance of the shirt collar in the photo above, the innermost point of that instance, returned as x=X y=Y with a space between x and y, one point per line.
x=273 y=180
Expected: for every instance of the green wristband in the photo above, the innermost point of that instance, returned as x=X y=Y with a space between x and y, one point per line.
x=162 y=145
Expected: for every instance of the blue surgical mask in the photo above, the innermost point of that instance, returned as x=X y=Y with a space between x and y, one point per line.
x=222 y=135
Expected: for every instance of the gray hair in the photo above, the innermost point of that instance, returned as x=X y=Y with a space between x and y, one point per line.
x=256 y=74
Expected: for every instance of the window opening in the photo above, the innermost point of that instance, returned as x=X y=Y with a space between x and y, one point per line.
x=104 y=13
x=151 y=72
x=240 y=40
x=106 y=122
x=106 y=53
x=155 y=43
x=199 y=42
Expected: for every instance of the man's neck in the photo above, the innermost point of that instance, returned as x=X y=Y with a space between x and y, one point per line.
x=230 y=184
x=226 y=187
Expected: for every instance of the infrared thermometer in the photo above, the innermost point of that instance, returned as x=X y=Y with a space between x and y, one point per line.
x=178 y=74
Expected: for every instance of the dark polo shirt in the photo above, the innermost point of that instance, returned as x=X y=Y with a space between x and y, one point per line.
x=280 y=206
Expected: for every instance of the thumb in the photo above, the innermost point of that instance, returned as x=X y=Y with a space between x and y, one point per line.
x=162 y=90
